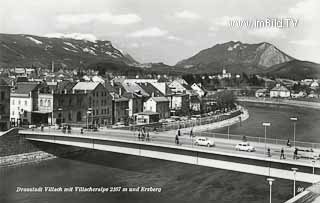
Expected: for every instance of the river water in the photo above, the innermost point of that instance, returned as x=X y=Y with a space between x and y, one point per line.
x=178 y=182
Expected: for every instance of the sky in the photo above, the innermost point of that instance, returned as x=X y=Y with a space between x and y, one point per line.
x=171 y=30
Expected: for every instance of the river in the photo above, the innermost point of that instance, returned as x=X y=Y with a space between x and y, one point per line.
x=178 y=182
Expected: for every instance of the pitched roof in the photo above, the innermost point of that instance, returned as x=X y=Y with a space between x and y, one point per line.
x=280 y=88
x=160 y=99
x=86 y=85
x=134 y=88
x=150 y=89
x=26 y=87
x=3 y=82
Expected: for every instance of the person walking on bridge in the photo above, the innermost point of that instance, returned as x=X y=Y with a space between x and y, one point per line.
x=282 y=154
x=177 y=140
x=295 y=153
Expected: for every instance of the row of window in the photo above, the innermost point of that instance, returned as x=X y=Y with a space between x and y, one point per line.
x=45 y=102
x=19 y=102
x=103 y=111
x=96 y=94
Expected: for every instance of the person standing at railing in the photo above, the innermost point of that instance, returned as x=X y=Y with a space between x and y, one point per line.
x=288 y=143
x=282 y=154
x=295 y=153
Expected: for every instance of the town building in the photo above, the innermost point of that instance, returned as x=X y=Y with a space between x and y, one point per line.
x=99 y=101
x=146 y=117
x=159 y=105
x=279 y=91
x=261 y=93
x=120 y=110
x=179 y=104
x=198 y=89
x=4 y=105
x=23 y=101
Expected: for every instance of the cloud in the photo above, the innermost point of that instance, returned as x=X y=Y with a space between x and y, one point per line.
x=305 y=42
x=189 y=15
x=224 y=21
x=174 y=38
x=267 y=33
x=306 y=9
x=78 y=36
x=149 y=32
x=76 y=19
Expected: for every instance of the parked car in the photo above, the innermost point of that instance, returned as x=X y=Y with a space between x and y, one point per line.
x=245 y=146
x=308 y=153
x=204 y=141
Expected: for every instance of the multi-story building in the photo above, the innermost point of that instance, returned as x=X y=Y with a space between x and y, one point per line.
x=23 y=101
x=99 y=101
x=159 y=105
x=120 y=110
x=179 y=104
x=4 y=105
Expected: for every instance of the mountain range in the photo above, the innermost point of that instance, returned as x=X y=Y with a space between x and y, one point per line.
x=234 y=56
x=27 y=50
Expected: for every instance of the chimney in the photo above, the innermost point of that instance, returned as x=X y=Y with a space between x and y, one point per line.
x=52 y=66
x=120 y=91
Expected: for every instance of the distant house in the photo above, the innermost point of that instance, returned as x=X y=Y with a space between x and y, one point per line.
x=279 y=91
x=146 y=117
x=198 y=88
x=261 y=93
x=298 y=95
x=314 y=85
x=195 y=103
x=159 y=105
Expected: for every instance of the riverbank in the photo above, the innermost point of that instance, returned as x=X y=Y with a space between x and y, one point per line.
x=19 y=159
x=216 y=125
x=277 y=101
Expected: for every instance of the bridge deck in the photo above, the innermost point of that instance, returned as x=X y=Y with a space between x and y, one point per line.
x=162 y=146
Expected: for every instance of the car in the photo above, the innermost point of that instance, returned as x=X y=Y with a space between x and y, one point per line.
x=245 y=146
x=204 y=141
x=307 y=153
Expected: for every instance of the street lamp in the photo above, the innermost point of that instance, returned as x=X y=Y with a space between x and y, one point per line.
x=88 y=112
x=270 y=180
x=294 y=119
x=60 y=110
x=265 y=136
x=294 y=180
x=313 y=164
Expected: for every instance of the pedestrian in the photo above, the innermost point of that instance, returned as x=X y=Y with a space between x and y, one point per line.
x=282 y=154
x=148 y=136
x=139 y=135
x=269 y=153
x=177 y=140
x=295 y=153
x=191 y=132
x=288 y=143
x=179 y=132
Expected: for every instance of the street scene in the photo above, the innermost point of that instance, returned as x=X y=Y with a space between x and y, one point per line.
x=118 y=101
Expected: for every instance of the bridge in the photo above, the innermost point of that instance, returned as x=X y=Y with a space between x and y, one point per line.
x=162 y=146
